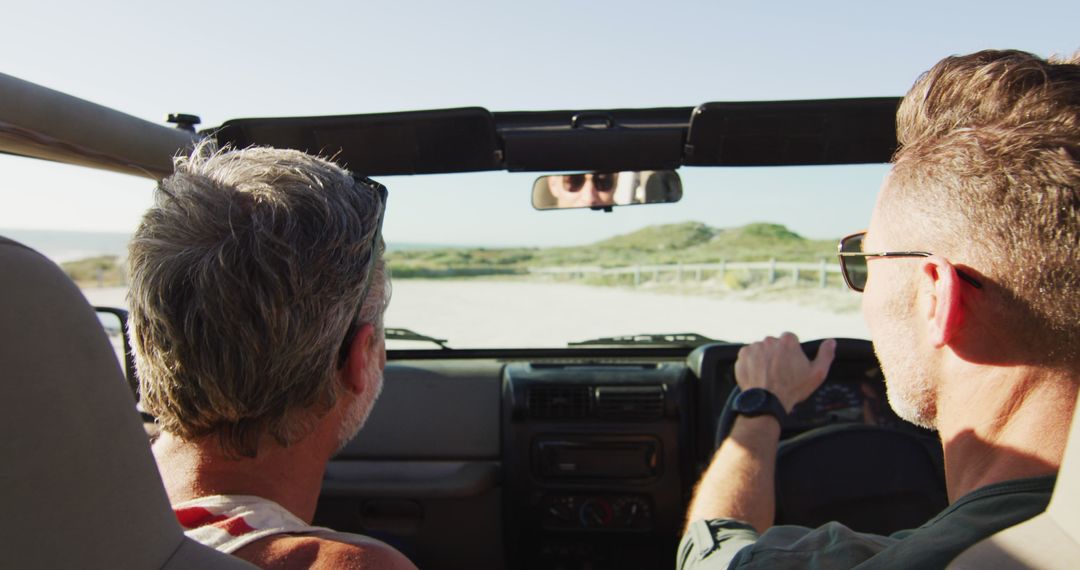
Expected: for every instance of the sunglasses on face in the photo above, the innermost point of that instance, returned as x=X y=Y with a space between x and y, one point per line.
x=350 y=334
x=575 y=182
x=853 y=261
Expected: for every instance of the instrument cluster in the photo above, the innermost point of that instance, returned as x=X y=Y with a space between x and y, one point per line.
x=854 y=392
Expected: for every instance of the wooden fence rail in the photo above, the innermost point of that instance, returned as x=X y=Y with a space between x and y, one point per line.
x=683 y=272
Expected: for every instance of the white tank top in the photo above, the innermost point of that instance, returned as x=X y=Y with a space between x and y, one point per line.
x=228 y=522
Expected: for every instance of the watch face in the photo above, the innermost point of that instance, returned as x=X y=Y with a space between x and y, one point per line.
x=752 y=400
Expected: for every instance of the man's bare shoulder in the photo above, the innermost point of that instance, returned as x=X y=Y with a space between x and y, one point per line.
x=292 y=552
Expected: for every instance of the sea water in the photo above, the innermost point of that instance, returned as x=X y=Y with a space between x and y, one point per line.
x=61 y=246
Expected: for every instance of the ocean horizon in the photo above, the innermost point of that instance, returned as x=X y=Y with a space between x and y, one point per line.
x=62 y=246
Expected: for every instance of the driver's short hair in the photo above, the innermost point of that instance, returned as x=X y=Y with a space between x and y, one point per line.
x=244 y=278
x=988 y=175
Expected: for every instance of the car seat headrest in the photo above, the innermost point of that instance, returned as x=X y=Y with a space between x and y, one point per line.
x=80 y=486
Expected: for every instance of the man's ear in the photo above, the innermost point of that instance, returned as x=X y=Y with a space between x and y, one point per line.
x=945 y=307
x=356 y=362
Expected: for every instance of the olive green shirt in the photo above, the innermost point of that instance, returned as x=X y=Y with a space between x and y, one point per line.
x=728 y=543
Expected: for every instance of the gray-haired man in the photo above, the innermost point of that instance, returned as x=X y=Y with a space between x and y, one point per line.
x=257 y=294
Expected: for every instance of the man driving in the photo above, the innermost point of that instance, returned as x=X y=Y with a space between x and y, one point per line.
x=971 y=290
x=257 y=297
x=583 y=190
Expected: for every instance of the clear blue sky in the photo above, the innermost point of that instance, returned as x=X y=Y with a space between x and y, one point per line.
x=224 y=60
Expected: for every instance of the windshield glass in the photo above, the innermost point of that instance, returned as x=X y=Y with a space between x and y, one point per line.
x=747 y=252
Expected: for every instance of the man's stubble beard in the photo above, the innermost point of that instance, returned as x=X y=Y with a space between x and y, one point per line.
x=357 y=414
x=909 y=385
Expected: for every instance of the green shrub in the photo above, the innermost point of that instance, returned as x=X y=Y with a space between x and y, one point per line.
x=102 y=271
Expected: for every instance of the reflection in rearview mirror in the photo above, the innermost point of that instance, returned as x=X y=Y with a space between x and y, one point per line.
x=602 y=190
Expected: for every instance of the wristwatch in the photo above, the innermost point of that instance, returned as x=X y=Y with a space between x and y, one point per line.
x=758 y=402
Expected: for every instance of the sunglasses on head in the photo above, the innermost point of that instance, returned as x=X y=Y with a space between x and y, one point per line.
x=603 y=182
x=853 y=261
x=350 y=333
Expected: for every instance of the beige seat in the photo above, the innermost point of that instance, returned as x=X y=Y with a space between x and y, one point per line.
x=1049 y=540
x=78 y=484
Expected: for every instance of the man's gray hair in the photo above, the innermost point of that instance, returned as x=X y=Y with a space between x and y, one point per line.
x=245 y=276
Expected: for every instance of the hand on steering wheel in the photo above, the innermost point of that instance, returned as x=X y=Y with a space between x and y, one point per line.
x=780 y=366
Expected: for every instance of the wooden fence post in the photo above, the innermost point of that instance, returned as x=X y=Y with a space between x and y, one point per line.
x=772 y=270
x=822 y=281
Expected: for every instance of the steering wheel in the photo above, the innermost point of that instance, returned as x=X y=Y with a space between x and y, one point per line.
x=871 y=478
x=727 y=418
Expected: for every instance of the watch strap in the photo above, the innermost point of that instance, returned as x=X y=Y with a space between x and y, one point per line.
x=759 y=402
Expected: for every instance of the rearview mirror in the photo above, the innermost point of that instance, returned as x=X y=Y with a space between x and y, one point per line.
x=603 y=190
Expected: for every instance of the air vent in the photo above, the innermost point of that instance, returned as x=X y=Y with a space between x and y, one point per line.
x=558 y=402
x=630 y=403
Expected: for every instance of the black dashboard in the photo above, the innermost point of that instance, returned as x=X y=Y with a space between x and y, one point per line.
x=565 y=459
x=596 y=462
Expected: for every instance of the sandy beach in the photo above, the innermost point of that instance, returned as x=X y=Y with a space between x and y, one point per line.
x=507 y=314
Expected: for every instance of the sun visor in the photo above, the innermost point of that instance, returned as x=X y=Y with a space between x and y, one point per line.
x=419 y=142
x=621 y=139
x=607 y=150
x=835 y=131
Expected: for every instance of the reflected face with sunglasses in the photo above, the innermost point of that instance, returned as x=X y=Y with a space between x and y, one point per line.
x=583 y=190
